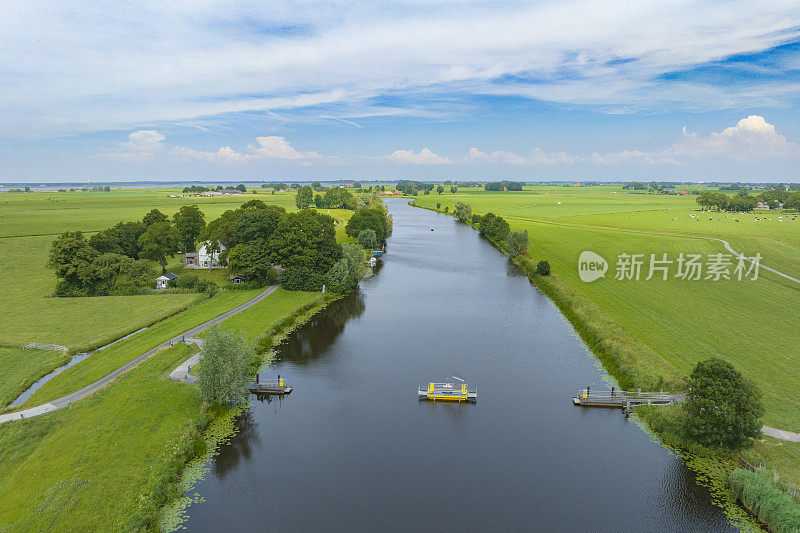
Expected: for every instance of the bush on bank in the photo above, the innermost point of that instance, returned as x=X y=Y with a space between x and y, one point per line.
x=776 y=509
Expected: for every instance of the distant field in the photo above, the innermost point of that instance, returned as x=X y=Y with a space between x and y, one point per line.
x=749 y=323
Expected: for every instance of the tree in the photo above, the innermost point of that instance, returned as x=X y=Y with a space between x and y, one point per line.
x=337 y=198
x=723 y=409
x=353 y=255
x=453 y=189
x=241 y=187
x=153 y=217
x=374 y=219
x=367 y=239
x=67 y=254
x=494 y=227
x=190 y=222
x=439 y=189
x=251 y=259
x=105 y=269
x=462 y=211
x=139 y=270
x=223 y=373
x=517 y=242
x=339 y=278
x=161 y=240
x=305 y=197
x=305 y=239
x=258 y=223
x=793 y=202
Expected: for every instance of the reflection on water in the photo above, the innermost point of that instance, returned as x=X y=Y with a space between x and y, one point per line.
x=313 y=339
x=353 y=449
x=240 y=448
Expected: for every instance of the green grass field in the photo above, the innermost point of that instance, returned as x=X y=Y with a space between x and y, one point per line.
x=258 y=320
x=23 y=367
x=81 y=469
x=662 y=328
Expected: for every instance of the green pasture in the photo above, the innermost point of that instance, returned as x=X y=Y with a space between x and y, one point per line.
x=105 y=361
x=30 y=316
x=83 y=468
x=258 y=320
x=23 y=367
x=749 y=323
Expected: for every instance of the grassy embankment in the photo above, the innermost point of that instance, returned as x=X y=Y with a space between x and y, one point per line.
x=651 y=333
x=91 y=462
x=142 y=430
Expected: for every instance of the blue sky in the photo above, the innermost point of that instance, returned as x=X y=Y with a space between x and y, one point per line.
x=583 y=89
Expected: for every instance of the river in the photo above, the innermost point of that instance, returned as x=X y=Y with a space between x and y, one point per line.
x=353 y=449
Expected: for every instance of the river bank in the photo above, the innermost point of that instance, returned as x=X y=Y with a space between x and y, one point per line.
x=635 y=365
x=354 y=445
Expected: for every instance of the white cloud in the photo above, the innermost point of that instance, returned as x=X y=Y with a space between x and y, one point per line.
x=424 y=157
x=537 y=157
x=598 y=52
x=752 y=139
x=271 y=147
x=141 y=144
x=497 y=156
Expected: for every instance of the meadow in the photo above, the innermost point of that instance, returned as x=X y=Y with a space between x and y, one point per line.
x=661 y=328
x=82 y=469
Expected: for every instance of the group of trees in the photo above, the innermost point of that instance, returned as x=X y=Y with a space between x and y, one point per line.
x=504 y=186
x=303 y=243
x=93 y=266
x=724 y=202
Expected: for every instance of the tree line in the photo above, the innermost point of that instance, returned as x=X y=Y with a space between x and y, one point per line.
x=742 y=201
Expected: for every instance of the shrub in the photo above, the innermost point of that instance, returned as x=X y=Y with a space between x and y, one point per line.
x=494 y=227
x=264 y=345
x=779 y=511
x=543 y=268
x=476 y=219
x=462 y=211
x=223 y=372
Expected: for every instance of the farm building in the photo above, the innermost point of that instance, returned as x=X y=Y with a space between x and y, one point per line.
x=237 y=279
x=206 y=258
x=163 y=281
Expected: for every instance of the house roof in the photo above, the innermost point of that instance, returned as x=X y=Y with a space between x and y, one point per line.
x=170 y=275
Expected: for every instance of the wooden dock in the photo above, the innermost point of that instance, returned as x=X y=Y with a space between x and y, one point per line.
x=626 y=400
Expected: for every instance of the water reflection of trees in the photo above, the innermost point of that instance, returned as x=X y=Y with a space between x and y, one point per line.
x=240 y=447
x=314 y=338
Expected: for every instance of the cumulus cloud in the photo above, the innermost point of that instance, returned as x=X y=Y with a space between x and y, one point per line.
x=141 y=144
x=497 y=156
x=537 y=157
x=271 y=147
x=752 y=139
x=424 y=157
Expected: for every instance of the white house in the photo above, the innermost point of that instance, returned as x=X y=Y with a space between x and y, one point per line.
x=206 y=258
x=163 y=281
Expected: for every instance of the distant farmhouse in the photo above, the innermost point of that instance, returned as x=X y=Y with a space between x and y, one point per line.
x=203 y=257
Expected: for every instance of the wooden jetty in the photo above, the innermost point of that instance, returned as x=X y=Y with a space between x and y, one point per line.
x=626 y=400
x=449 y=392
x=270 y=387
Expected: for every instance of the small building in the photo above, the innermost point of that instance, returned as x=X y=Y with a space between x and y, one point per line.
x=163 y=281
x=190 y=258
x=237 y=279
x=206 y=258
x=762 y=205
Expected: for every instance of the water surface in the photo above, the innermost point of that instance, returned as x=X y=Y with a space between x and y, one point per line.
x=352 y=449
